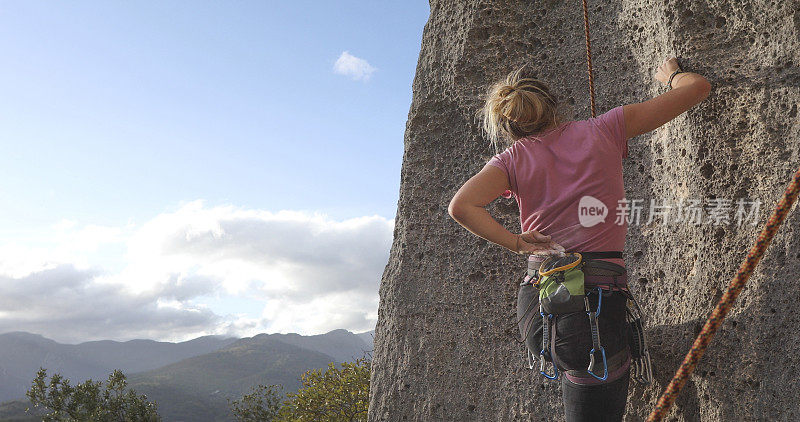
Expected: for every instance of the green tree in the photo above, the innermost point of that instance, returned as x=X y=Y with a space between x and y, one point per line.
x=335 y=395
x=88 y=401
x=263 y=404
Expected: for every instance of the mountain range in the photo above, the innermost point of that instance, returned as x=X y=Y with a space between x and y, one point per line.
x=190 y=381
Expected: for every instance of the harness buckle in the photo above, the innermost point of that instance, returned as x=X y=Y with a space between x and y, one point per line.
x=531 y=279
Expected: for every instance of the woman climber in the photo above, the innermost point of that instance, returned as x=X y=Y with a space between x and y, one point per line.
x=566 y=177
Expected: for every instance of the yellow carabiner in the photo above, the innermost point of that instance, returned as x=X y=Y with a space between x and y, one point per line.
x=543 y=273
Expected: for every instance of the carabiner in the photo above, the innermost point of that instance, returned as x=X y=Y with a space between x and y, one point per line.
x=531 y=363
x=642 y=365
x=643 y=369
x=599 y=303
x=591 y=364
x=543 y=367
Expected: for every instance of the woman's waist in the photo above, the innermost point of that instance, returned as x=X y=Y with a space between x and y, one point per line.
x=597 y=270
x=537 y=259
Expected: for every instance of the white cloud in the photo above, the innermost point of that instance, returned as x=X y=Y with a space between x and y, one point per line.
x=68 y=305
x=354 y=67
x=306 y=272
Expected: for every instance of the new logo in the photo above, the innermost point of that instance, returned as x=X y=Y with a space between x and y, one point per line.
x=591 y=211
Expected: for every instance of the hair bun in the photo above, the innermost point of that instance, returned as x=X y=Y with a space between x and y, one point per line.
x=529 y=111
x=506 y=90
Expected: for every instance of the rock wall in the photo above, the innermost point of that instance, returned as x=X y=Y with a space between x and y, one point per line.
x=446 y=344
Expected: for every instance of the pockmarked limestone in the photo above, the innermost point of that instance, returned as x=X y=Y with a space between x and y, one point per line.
x=446 y=345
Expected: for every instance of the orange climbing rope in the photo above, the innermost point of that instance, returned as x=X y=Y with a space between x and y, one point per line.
x=734 y=288
x=589 y=56
x=726 y=302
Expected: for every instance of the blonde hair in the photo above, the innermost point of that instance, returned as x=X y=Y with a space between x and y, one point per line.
x=519 y=106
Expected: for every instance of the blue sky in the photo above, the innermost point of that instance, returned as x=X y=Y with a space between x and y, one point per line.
x=114 y=114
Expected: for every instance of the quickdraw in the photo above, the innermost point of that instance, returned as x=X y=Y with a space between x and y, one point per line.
x=596 y=346
x=545 y=354
x=640 y=356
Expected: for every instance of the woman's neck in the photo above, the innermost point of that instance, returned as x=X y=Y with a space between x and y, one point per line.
x=546 y=131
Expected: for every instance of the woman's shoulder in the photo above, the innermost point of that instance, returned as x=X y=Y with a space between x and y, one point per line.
x=612 y=114
x=608 y=121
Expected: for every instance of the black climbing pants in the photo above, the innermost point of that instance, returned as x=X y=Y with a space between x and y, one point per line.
x=582 y=403
x=595 y=403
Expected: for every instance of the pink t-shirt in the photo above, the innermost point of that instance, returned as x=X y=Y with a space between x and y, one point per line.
x=567 y=182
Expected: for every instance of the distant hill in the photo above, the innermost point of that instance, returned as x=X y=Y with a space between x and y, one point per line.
x=21 y=355
x=14 y=411
x=342 y=345
x=195 y=388
x=368 y=337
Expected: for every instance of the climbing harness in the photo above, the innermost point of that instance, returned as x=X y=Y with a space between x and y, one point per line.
x=562 y=290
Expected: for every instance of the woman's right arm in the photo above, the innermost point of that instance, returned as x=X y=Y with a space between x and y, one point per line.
x=688 y=89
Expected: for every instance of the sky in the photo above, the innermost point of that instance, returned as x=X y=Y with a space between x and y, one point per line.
x=184 y=168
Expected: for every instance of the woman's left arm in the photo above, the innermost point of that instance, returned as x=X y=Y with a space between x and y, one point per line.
x=468 y=208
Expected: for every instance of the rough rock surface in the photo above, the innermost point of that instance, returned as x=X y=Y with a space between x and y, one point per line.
x=446 y=342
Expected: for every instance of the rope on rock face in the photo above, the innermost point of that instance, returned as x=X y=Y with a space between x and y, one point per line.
x=736 y=285
x=589 y=56
x=726 y=302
